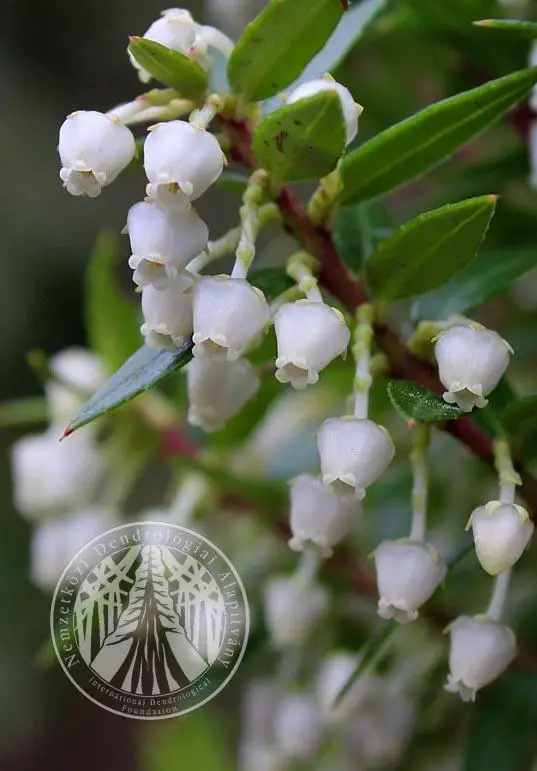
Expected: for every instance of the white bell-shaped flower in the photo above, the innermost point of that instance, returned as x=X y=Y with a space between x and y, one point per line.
x=260 y=756
x=168 y=312
x=481 y=649
x=293 y=609
x=351 y=109
x=163 y=241
x=229 y=313
x=94 y=148
x=78 y=373
x=309 y=336
x=471 y=361
x=501 y=534
x=50 y=476
x=335 y=672
x=180 y=161
x=408 y=573
x=298 y=727
x=319 y=516
x=354 y=452
x=217 y=390
x=56 y=541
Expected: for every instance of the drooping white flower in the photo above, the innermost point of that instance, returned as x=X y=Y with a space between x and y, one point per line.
x=408 y=573
x=50 y=476
x=228 y=314
x=258 y=756
x=336 y=670
x=481 y=649
x=168 y=312
x=163 y=241
x=351 y=109
x=318 y=515
x=94 y=148
x=533 y=63
x=354 y=452
x=293 y=609
x=309 y=336
x=298 y=727
x=471 y=362
x=180 y=161
x=217 y=390
x=56 y=541
x=78 y=373
x=532 y=144
x=501 y=534
x=258 y=708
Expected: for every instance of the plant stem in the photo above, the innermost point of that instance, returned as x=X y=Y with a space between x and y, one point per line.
x=253 y=197
x=499 y=595
x=301 y=267
x=508 y=477
x=363 y=337
x=420 y=473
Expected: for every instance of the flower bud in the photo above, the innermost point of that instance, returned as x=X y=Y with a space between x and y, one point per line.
x=501 y=533
x=180 y=160
x=228 y=314
x=94 y=148
x=408 y=573
x=293 y=609
x=297 y=727
x=168 y=312
x=309 y=336
x=351 y=109
x=217 y=390
x=318 y=515
x=79 y=374
x=470 y=363
x=258 y=756
x=480 y=651
x=50 y=477
x=163 y=241
x=354 y=452
x=55 y=542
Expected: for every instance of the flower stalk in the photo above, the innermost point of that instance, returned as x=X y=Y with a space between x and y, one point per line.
x=361 y=350
x=509 y=479
x=254 y=196
x=420 y=486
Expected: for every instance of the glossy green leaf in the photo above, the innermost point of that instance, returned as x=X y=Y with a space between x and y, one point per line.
x=271 y=281
x=146 y=368
x=504 y=725
x=277 y=45
x=520 y=416
x=231 y=182
x=409 y=148
x=112 y=316
x=169 y=67
x=523 y=29
x=358 y=230
x=303 y=140
x=27 y=411
x=415 y=402
x=489 y=274
x=427 y=251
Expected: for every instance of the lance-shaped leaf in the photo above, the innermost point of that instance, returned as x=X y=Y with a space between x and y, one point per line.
x=484 y=277
x=409 y=148
x=146 y=368
x=169 y=67
x=415 y=402
x=111 y=315
x=303 y=140
x=523 y=29
x=274 y=48
x=520 y=416
x=427 y=251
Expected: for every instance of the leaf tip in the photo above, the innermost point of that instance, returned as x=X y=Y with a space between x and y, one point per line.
x=483 y=23
x=134 y=39
x=493 y=197
x=68 y=431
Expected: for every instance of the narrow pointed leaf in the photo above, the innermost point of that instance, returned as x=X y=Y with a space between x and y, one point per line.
x=271 y=281
x=303 y=140
x=409 y=148
x=520 y=417
x=415 y=402
x=275 y=47
x=146 y=368
x=489 y=274
x=523 y=29
x=169 y=67
x=427 y=251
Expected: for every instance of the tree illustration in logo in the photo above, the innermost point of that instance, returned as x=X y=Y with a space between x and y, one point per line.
x=150 y=623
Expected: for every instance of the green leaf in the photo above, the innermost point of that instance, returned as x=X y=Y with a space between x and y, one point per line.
x=409 y=148
x=303 y=140
x=231 y=182
x=520 y=416
x=169 y=67
x=111 y=315
x=489 y=274
x=502 y=735
x=427 y=251
x=146 y=368
x=415 y=402
x=23 y=412
x=370 y=652
x=358 y=230
x=523 y=29
x=275 y=47
x=271 y=281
